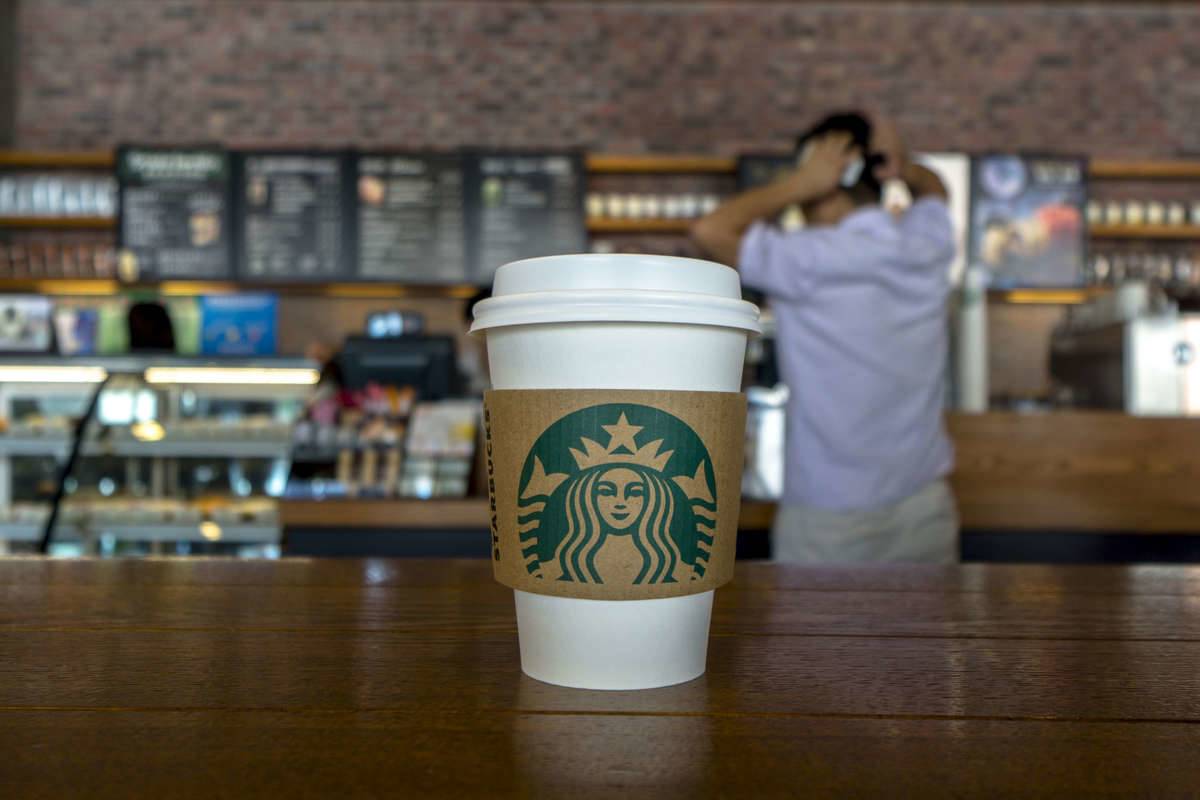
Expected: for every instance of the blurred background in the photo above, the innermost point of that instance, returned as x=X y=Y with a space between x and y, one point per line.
x=308 y=195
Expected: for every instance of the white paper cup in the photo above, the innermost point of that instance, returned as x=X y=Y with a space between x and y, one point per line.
x=612 y=321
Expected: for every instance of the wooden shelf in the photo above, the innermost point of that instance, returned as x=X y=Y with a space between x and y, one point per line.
x=1144 y=231
x=89 y=287
x=62 y=287
x=1145 y=170
x=601 y=163
x=59 y=223
x=608 y=163
x=1047 y=297
x=609 y=225
x=100 y=159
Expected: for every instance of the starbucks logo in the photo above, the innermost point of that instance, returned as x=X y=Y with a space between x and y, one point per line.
x=617 y=493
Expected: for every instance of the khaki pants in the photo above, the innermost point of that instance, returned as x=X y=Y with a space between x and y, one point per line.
x=920 y=529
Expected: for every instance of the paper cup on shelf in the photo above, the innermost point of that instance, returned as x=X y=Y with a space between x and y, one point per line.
x=615 y=437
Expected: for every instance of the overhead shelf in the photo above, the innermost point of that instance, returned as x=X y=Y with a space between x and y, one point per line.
x=60 y=223
x=610 y=225
x=31 y=159
x=90 y=287
x=1144 y=170
x=600 y=163
x=1144 y=231
x=56 y=446
x=1047 y=296
x=677 y=164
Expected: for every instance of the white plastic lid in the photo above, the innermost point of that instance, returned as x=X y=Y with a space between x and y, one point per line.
x=616 y=287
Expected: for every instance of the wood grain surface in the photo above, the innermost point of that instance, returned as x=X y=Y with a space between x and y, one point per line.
x=1065 y=471
x=309 y=678
x=1092 y=471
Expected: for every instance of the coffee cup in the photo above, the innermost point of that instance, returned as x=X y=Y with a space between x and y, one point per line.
x=615 y=437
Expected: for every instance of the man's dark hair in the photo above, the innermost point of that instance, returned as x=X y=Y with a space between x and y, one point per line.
x=867 y=189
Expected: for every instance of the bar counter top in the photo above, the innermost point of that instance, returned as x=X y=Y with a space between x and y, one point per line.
x=304 y=678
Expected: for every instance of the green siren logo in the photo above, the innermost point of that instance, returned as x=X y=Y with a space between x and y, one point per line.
x=641 y=509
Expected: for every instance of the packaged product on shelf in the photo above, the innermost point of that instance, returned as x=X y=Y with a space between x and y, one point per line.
x=634 y=206
x=1135 y=213
x=1155 y=212
x=615 y=204
x=689 y=206
x=1176 y=214
x=595 y=205
x=1114 y=213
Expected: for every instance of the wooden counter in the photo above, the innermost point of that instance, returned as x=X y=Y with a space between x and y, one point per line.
x=202 y=678
x=1084 y=471
x=1068 y=471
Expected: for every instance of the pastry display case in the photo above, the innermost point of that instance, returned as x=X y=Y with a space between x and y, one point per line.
x=146 y=454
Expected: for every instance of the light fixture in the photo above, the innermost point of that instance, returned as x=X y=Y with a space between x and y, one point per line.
x=243 y=376
x=210 y=530
x=1057 y=297
x=147 y=431
x=38 y=374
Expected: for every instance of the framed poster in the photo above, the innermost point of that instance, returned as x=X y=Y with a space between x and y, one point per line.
x=173 y=213
x=1027 y=219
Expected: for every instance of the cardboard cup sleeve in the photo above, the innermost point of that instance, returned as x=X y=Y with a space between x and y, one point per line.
x=614 y=494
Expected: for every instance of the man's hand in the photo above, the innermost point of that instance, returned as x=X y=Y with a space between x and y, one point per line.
x=720 y=233
x=825 y=159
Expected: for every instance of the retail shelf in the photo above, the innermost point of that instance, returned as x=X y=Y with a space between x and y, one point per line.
x=148 y=532
x=33 y=159
x=1144 y=231
x=62 y=223
x=675 y=164
x=167 y=448
x=1176 y=169
x=1047 y=297
x=98 y=286
x=610 y=225
x=1144 y=170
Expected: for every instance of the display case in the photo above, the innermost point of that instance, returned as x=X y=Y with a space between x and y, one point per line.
x=171 y=455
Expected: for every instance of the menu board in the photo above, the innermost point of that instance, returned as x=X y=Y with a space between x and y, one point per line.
x=173 y=213
x=293 y=216
x=410 y=218
x=757 y=170
x=1027 y=219
x=522 y=205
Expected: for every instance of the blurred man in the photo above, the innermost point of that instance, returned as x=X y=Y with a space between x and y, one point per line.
x=859 y=296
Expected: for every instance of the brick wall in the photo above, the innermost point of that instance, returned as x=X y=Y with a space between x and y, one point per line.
x=1113 y=79
x=8 y=47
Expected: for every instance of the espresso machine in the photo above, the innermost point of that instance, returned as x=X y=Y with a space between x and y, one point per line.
x=1132 y=351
